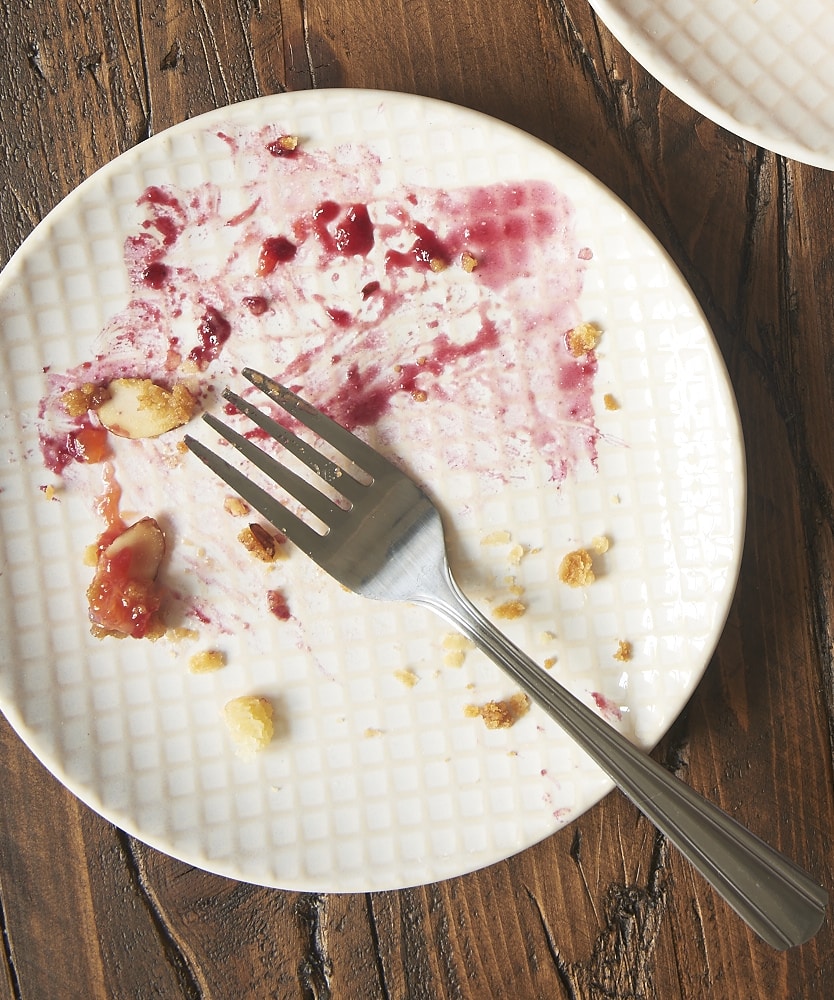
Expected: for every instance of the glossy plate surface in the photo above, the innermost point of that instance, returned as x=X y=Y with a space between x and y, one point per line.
x=377 y=777
x=759 y=68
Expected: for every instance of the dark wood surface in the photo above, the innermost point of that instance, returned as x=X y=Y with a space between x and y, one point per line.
x=604 y=909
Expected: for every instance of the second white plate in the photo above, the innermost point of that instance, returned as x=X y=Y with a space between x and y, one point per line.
x=759 y=68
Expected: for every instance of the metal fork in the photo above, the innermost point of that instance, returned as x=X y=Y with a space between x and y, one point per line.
x=386 y=542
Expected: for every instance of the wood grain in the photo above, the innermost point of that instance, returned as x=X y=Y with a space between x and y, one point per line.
x=604 y=909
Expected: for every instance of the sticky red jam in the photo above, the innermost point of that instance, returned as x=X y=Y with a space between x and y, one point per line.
x=86 y=444
x=213 y=332
x=277 y=604
x=256 y=304
x=118 y=601
x=274 y=251
x=156 y=274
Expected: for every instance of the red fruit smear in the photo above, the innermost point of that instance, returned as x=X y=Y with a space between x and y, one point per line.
x=256 y=304
x=169 y=215
x=608 y=709
x=339 y=316
x=156 y=274
x=118 y=601
x=85 y=444
x=277 y=604
x=213 y=332
x=427 y=247
x=247 y=213
x=274 y=251
x=354 y=235
x=369 y=289
x=278 y=147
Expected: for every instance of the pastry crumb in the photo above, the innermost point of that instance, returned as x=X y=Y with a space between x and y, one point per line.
x=550 y=663
x=181 y=634
x=455 y=647
x=583 y=338
x=206 y=662
x=371 y=733
x=576 y=569
x=236 y=506
x=249 y=721
x=500 y=714
x=600 y=544
x=609 y=402
x=261 y=543
x=624 y=651
x=510 y=610
x=497 y=538
x=516 y=554
x=77 y=402
x=407 y=677
x=468 y=261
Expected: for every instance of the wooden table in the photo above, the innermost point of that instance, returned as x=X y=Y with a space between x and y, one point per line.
x=603 y=909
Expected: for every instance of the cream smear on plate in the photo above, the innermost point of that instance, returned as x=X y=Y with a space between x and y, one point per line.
x=431 y=322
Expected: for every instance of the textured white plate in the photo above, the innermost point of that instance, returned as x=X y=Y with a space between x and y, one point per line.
x=370 y=784
x=759 y=68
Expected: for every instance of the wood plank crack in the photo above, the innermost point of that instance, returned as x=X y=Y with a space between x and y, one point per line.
x=177 y=959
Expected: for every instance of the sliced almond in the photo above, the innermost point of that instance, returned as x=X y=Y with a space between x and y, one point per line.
x=147 y=544
x=139 y=408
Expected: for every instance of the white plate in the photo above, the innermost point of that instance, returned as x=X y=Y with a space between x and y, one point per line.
x=759 y=68
x=370 y=783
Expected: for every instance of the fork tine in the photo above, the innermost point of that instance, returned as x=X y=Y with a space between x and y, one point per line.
x=343 y=440
x=307 y=494
x=299 y=533
x=331 y=473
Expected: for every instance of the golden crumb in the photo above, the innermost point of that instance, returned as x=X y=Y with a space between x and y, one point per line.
x=437 y=265
x=550 y=663
x=547 y=636
x=182 y=634
x=49 y=492
x=600 y=544
x=407 y=677
x=206 y=662
x=513 y=586
x=236 y=506
x=624 y=651
x=261 y=543
x=468 y=262
x=456 y=641
x=609 y=402
x=249 y=721
x=287 y=143
x=497 y=538
x=583 y=338
x=371 y=733
x=576 y=569
x=509 y=610
x=516 y=554
x=500 y=714
x=174 y=405
x=77 y=402
x=455 y=646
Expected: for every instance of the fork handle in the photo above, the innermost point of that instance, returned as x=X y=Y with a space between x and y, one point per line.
x=776 y=898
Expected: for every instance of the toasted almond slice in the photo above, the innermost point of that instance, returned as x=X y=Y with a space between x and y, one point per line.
x=139 y=408
x=147 y=544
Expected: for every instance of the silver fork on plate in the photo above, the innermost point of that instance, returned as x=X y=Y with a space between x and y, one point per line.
x=386 y=542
